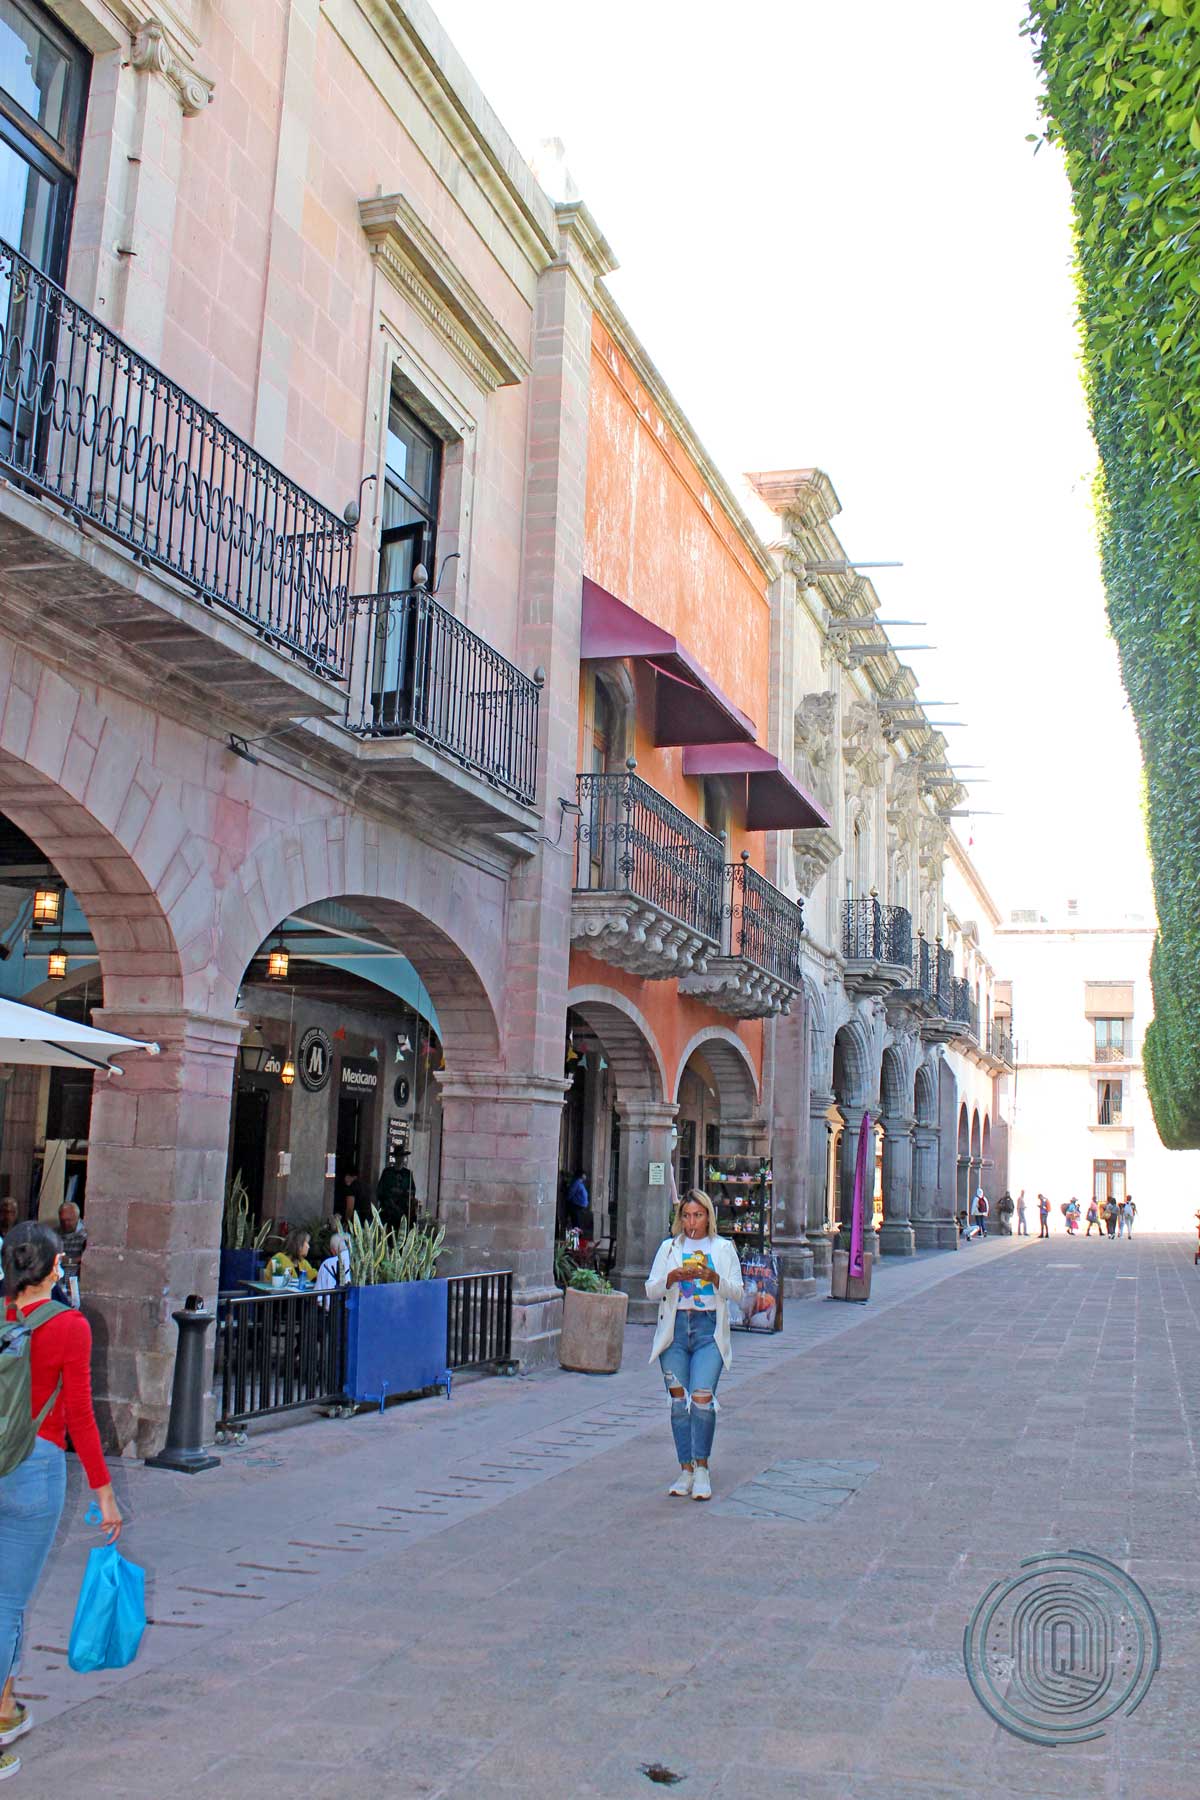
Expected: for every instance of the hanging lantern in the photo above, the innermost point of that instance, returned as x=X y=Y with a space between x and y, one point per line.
x=58 y=965
x=278 y=959
x=47 y=904
x=288 y=1073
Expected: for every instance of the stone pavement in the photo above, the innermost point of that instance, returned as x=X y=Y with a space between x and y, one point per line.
x=494 y=1595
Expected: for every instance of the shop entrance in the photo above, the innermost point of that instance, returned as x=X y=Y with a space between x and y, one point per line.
x=248 y=1152
x=354 y=1139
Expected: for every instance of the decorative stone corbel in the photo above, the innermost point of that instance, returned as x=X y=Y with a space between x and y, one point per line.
x=154 y=53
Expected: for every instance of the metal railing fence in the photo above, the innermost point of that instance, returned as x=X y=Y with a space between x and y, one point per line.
x=87 y=420
x=277 y=1352
x=633 y=840
x=872 y=932
x=765 y=927
x=479 y=1320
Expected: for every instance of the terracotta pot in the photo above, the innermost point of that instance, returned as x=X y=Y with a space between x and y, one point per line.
x=593 y=1332
x=847 y=1288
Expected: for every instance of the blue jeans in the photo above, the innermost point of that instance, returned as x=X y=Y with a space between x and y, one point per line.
x=693 y=1362
x=31 y=1503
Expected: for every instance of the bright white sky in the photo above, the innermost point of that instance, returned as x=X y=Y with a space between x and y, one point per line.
x=839 y=249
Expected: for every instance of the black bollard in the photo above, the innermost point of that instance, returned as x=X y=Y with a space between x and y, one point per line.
x=185 y=1428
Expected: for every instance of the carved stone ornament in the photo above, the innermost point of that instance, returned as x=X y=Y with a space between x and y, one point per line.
x=863 y=740
x=153 y=53
x=813 y=852
x=734 y=985
x=933 y=847
x=816 y=732
x=633 y=934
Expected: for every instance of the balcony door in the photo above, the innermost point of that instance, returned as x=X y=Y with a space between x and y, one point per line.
x=603 y=806
x=43 y=92
x=412 y=482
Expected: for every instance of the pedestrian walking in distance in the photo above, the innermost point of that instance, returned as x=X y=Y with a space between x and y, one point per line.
x=1110 y=1218
x=1130 y=1215
x=696 y=1278
x=1044 y=1215
x=1093 y=1217
x=983 y=1207
x=1022 y=1227
x=55 y=1372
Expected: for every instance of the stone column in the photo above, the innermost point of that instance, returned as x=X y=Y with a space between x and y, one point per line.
x=789 y=1154
x=820 y=1242
x=158 y=1147
x=643 y=1211
x=853 y=1116
x=499 y=1193
x=928 y=1225
x=896 y=1233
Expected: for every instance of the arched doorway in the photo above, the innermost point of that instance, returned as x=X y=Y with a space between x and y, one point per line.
x=963 y=1178
x=852 y=1092
x=987 y=1171
x=925 y=1157
x=976 y=1163
x=623 y=1138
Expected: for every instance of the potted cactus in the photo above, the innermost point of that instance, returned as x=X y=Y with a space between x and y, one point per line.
x=593 y=1327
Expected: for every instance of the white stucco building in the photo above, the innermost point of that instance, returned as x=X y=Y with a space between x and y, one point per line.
x=1082 y=1125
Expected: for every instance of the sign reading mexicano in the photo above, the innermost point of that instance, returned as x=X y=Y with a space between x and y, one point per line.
x=360 y=1074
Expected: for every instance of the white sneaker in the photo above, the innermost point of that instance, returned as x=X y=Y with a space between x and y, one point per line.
x=701 y=1485
x=20 y=1725
x=683 y=1485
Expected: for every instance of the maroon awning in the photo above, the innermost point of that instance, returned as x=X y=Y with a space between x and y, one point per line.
x=775 y=801
x=689 y=707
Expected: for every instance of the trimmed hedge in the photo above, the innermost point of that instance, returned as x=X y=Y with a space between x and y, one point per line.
x=1122 y=92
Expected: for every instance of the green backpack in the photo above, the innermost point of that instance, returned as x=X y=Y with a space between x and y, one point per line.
x=18 y=1427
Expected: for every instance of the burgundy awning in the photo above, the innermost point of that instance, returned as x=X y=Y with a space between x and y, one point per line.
x=689 y=708
x=775 y=801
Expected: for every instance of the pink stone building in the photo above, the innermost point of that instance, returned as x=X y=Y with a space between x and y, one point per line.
x=292 y=341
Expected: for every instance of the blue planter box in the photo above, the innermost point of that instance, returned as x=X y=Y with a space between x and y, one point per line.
x=238 y=1266
x=395 y=1339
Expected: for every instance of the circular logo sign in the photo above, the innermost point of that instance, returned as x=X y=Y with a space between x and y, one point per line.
x=314 y=1059
x=401 y=1091
x=1056 y=1651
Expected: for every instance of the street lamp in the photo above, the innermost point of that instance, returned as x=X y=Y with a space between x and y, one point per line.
x=57 y=965
x=47 y=902
x=255 y=1051
x=278 y=959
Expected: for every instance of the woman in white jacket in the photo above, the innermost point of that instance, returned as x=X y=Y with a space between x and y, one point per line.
x=696 y=1277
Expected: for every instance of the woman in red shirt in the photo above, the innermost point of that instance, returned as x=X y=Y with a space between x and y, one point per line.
x=32 y=1494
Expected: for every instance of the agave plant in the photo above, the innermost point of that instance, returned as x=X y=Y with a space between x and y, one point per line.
x=381 y=1253
x=237 y=1231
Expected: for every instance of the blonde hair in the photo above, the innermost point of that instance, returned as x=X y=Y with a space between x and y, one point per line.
x=701 y=1199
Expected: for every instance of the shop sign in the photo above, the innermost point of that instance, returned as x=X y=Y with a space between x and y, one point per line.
x=398 y=1136
x=359 y=1075
x=314 y=1059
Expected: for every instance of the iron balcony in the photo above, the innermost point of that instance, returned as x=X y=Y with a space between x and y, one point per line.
x=877 y=946
x=758 y=970
x=649 y=881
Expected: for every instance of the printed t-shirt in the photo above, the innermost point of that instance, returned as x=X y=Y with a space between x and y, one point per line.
x=698 y=1295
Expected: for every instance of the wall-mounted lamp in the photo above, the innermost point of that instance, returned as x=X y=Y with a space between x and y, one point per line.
x=288 y=1073
x=57 y=966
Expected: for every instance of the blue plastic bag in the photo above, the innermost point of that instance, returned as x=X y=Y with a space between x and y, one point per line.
x=110 y=1617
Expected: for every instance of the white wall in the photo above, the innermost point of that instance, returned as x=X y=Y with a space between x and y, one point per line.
x=1055 y=1134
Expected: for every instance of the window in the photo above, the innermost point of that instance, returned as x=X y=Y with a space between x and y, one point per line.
x=411 y=486
x=1108 y=1178
x=1108 y=1110
x=43 y=93
x=1111 y=1040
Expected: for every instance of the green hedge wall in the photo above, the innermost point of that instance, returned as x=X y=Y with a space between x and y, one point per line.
x=1122 y=93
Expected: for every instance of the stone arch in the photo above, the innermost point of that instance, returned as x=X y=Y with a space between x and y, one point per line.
x=408 y=892
x=925 y=1095
x=985 y=1153
x=963 y=1166
x=730 y=1062
x=820 y=1074
x=975 y=1136
x=630 y=1046
x=96 y=808
x=852 y=1065
x=894 y=1085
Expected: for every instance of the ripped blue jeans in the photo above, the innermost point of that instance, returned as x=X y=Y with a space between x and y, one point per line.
x=693 y=1362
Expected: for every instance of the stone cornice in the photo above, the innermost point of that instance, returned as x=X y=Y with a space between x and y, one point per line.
x=805 y=494
x=631 y=346
x=416 y=264
x=575 y=221
x=157 y=51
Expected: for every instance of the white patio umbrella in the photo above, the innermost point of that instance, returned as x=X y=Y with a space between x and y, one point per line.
x=29 y=1035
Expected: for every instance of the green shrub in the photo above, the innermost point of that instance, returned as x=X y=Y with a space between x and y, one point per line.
x=1122 y=92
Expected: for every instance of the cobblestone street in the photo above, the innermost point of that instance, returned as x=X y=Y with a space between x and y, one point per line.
x=495 y=1595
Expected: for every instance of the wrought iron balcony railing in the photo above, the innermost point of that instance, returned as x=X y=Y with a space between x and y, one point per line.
x=1111 y=1053
x=1000 y=1042
x=945 y=981
x=634 y=840
x=87 y=420
x=963 y=1010
x=765 y=926
x=925 y=967
x=420 y=672
x=872 y=932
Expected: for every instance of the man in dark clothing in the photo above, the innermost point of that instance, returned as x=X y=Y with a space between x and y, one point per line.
x=396 y=1192
x=578 y=1204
